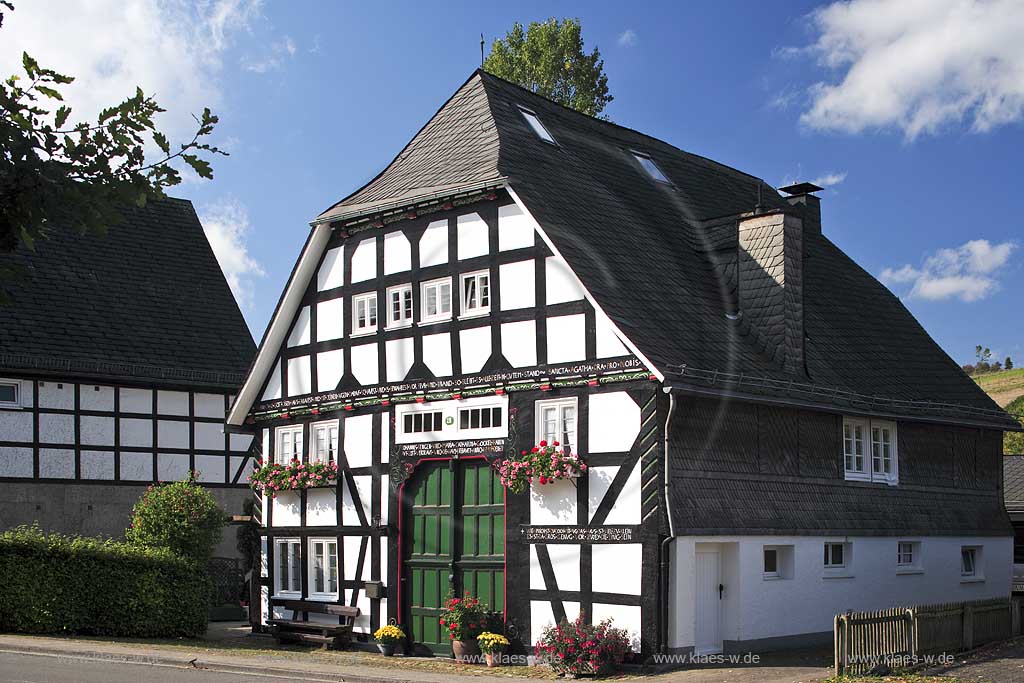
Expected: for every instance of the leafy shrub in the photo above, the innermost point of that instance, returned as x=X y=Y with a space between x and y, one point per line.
x=581 y=648
x=182 y=516
x=68 y=584
x=1013 y=442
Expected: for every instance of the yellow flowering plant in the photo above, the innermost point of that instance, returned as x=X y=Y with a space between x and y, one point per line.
x=389 y=635
x=491 y=642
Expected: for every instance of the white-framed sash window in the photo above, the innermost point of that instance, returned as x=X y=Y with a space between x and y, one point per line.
x=476 y=293
x=869 y=450
x=323 y=568
x=10 y=394
x=399 y=306
x=288 y=558
x=325 y=442
x=835 y=556
x=436 y=300
x=556 y=421
x=364 y=313
x=289 y=444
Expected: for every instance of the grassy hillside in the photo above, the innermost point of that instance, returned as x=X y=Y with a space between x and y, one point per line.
x=1004 y=386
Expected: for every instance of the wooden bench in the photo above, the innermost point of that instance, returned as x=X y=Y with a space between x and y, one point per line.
x=300 y=629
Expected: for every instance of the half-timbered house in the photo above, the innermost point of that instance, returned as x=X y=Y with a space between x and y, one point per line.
x=770 y=436
x=119 y=357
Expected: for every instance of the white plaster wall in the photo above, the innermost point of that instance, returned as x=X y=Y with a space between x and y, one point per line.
x=758 y=608
x=332 y=270
x=286 y=509
x=614 y=422
x=560 y=282
x=627 y=506
x=299 y=380
x=399 y=358
x=330 y=367
x=330 y=319
x=397 y=253
x=565 y=563
x=608 y=344
x=16 y=425
x=97 y=465
x=475 y=346
x=136 y=400
x=59 y=395
x=519 y=343
x=350 y=547
x=514 y=228
x=273 y=390
x=239 y=442
x=624 y=616
x=56 y=463
x=599 y=480
x=15 y=461
x=96 y=397
x=553 y=503
x=136 y=431
x=97 y=431
x=241 y=467
x=385 y=442
x=171 y=466
x=172 y=434
x=300 y=329
x=364 y=260
x=437 y=354
x=517 y=285
x=56 y=428
x=349 y=515
x=472 y=231
x=616 y=568
x=364 y=364
x=137 y=466
x=211 y=468
x=359 y=440
x=208 y=405
x=542 y=616
x=434 y=244
x=321 y=507
x=172 y=402
x=567 y=338
x=209 y=436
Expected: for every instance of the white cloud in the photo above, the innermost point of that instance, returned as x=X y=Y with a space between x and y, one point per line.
x=968 y=272
x=226 y=224
x=829 y=179
x=917 y=65
x=274 y=59
x=627 y=38
x=171 y=49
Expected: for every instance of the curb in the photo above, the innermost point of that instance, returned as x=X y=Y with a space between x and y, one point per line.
x=181 y=662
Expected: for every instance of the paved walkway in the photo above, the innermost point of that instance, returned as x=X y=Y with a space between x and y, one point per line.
x=230 y=649
x=1001 y=663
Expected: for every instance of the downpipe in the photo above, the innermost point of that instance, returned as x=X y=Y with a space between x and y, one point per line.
x=664 y=583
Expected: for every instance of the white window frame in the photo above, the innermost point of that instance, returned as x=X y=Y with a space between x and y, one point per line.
x=559 y=403
x=313 y=573
x=314 y=441
x=537 y=126
x=439 y=315
x=650 y=167
x=16 y=403
x=868 y=428
x=976 y=554
x=480 y=308
x=908 y=557
x=482 y=432
x=282 y=549
x=777 y=572
x=367 y=298
x=828 y=559
x=298 y=451
x=402 y=320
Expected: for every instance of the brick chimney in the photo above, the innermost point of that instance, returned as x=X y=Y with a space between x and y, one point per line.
x=770 y=285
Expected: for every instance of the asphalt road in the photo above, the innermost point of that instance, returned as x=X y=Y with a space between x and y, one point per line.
x=18 y=668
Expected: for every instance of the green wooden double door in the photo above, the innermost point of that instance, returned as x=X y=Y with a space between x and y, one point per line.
x=456 y=542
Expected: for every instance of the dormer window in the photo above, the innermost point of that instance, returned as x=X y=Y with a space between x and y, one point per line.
x=647 y=163
x=537 y=126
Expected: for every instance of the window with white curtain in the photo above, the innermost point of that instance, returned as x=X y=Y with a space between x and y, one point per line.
x=556 y=421
x=325 y=442
x=289 y=444
x=323 y=567
x=288 y=579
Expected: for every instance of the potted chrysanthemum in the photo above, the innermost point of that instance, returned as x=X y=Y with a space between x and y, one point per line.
x=492 y=645
x=388 y=638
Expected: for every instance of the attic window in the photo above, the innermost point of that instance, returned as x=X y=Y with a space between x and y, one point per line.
x=537 y=126
x=647 y=163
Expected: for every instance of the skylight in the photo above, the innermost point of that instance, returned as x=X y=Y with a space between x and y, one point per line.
x=537 y=126
x=652 y=168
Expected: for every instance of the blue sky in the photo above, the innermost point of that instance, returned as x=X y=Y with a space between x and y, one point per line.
x=919 y=136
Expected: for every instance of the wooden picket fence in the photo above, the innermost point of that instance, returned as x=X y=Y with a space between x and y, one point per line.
x=897 y=636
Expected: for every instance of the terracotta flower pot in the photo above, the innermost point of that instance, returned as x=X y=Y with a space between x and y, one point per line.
x=465 y=650
x=386 y=649
x=495 y=658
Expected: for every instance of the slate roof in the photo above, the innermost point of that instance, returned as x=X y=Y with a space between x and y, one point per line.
x=147 y=302
x=1013 y=482
x=652 y=254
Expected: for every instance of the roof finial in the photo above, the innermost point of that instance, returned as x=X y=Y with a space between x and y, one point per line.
x=481 y=50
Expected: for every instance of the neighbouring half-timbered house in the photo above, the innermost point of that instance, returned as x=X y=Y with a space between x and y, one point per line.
x=771 y=438
x=119 y=357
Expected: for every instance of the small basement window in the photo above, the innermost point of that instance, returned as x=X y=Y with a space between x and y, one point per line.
x=647 y=163
x=537 y=126
x=10 y=394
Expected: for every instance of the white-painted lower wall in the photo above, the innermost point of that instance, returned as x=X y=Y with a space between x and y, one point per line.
x=755 y=608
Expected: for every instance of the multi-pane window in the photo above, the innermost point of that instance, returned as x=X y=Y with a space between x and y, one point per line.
x=325 y=442
x=323 y=567
x=869 y=450
x=968 y=562
x=400 y=306
x=422 y=422
x=289 y=444
x=476 y=293
x=364 y=313
x=537 y=126
x=771 y=563
x=556 y=421
x=10 y=394
x=905 y=555
x=480 y=418
x=289 y=565
x=436 y=300
x=647 y=163
x=835 y=555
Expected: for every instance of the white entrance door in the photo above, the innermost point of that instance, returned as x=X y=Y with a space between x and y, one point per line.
x=709 y=603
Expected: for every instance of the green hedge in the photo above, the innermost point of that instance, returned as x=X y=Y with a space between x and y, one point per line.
x=60 y=584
